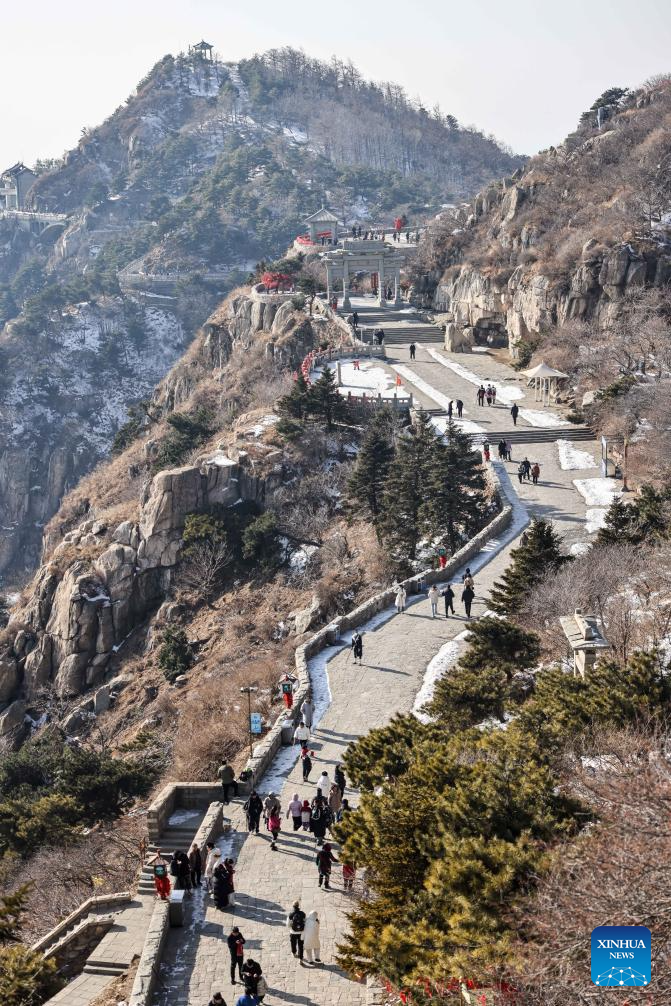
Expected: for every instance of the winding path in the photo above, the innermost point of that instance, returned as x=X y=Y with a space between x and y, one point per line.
x=398 y=649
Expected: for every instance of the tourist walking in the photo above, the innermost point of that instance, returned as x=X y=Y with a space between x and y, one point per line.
x=485 y=451
x=253 y=808
x=509 y=450
x=274 y=826
x=161 y=879
x=195 y=865
x=319 y=820
x=294 y=811
x=520 y=471
x=502 y=449
x=229 y=866
x=307 y=712
x=535 y=473
x=493 y=394
x=413 y=350
x=460 y=407
x=489 y=394
x=450 y=407
x=306 y=814
x=324 y=860
x=348 y=876
x=217 y=1000
x=323 y=784
x=448 y=594
x=355 y=318
x=335 y=801
x=401 y=596
x=271 y=805
x=340 y=779
x=514 y=412
x=296 y=925
x=226 y=775
x=526 y=464
x=302 y=733
x=311 y=937
x=212 y=860
x=467 y=596
x=236 y=947
x=287 y=682
x=181 y=871
x=357 y=646
x=433 y=596
x=247 y=999
x=481 y=395
x=306 y=762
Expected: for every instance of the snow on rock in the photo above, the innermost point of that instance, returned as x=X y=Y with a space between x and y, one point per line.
x=438 y=666
x=543 y=419
x=570 y=458
x=597 y=492
x=220 y=459
x=263 y=424
x=504 y=392
x=580 y=548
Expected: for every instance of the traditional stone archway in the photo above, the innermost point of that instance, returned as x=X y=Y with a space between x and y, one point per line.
x=364 y=256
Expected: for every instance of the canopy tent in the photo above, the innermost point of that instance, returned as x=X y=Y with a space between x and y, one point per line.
x=545 y=380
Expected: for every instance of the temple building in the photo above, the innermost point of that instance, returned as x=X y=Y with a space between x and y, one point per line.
x=14 y=185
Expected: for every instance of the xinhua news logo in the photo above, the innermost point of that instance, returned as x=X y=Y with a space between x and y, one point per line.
x=621 y=955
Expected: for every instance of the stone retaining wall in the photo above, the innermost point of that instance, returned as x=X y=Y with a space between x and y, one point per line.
x=147 y=969
x=265 y=751
x=112 y=902
x=71 y=952
x=178 y=794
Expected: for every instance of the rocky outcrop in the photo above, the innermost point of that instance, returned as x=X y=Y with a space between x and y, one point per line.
x=487 y=310
x=77 y=617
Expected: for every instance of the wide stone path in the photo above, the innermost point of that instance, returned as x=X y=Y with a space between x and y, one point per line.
x=397 y=650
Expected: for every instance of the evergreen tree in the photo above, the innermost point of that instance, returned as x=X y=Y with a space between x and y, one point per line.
x=454 y=499
x=295 y=404
x=531 y=562
x=365 y=487
x=324 y=399
x=407 y=487
x=619 y=525
x=174 y=656
x=25 y=976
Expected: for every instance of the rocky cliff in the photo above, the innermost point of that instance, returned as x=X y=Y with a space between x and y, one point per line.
x=568 y=238
x=103 y=577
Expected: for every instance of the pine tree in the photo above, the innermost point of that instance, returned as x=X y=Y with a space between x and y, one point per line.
x=366 y=484
x=406 y=488
x=496 y=642
x=324 y=399
x=25 y=976
x=619 y=525
x=295 y=404
x=454 y=500
x=531 y=562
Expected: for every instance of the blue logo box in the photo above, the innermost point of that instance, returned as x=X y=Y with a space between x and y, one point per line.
x=621 y=956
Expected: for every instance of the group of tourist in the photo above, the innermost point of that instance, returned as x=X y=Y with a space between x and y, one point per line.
x=486 y=394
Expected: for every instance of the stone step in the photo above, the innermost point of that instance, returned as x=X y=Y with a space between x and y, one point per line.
x=104 y=968
x=535 y=435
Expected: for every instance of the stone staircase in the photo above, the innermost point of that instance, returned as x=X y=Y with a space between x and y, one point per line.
x=535 y=435
x=173 y=838
x=400 y=326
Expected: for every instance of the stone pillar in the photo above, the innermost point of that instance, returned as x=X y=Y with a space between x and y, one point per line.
x=329 y=282
x=397 y=286
x=346 y=303
x=380 y=283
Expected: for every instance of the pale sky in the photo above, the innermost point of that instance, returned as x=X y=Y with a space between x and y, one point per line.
x=523 y=70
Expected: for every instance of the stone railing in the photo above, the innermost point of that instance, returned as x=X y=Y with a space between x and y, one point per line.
x=100 y=903
x=147 y=969
x=71 y=951
x=265 y=751
x=178 y=794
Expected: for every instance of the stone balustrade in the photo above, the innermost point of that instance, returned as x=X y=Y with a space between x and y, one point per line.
x=147 y=969
x=101 y=903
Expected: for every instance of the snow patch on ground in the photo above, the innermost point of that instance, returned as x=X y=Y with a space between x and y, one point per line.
x=570 y=458
x=595 y=519
x=368 y=379
x=438 y=666
x=543 y=419
x=263 y=424
x=580 y=548
x=182 y=816
x=219 y=459
x=597 y=492
x=504 y=392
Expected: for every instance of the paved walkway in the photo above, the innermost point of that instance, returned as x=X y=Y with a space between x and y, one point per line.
x=396 y=655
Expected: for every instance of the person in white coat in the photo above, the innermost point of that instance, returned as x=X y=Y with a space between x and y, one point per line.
x=311 y=938
x=324 y=784
x=433 y=598
x=213 y=860
x=307 y=712
x=302 y=733
x=401 y=596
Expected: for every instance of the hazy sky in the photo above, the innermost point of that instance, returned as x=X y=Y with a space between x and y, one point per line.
x=523 y=69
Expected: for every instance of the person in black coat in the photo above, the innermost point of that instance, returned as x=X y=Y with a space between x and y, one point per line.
x=236 y=944
x=341 y=781
x=320 y=818
x=514 y=412
x=357 y=647
x=196 y=865
x=467 y=596
x=448 y=594
x=253 y=808
x=221 y=886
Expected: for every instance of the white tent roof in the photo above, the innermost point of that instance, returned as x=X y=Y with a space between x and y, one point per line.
x=321 y=215
x=543 y=370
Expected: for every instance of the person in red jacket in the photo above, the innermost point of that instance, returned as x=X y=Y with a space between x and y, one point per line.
x=161 y=878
